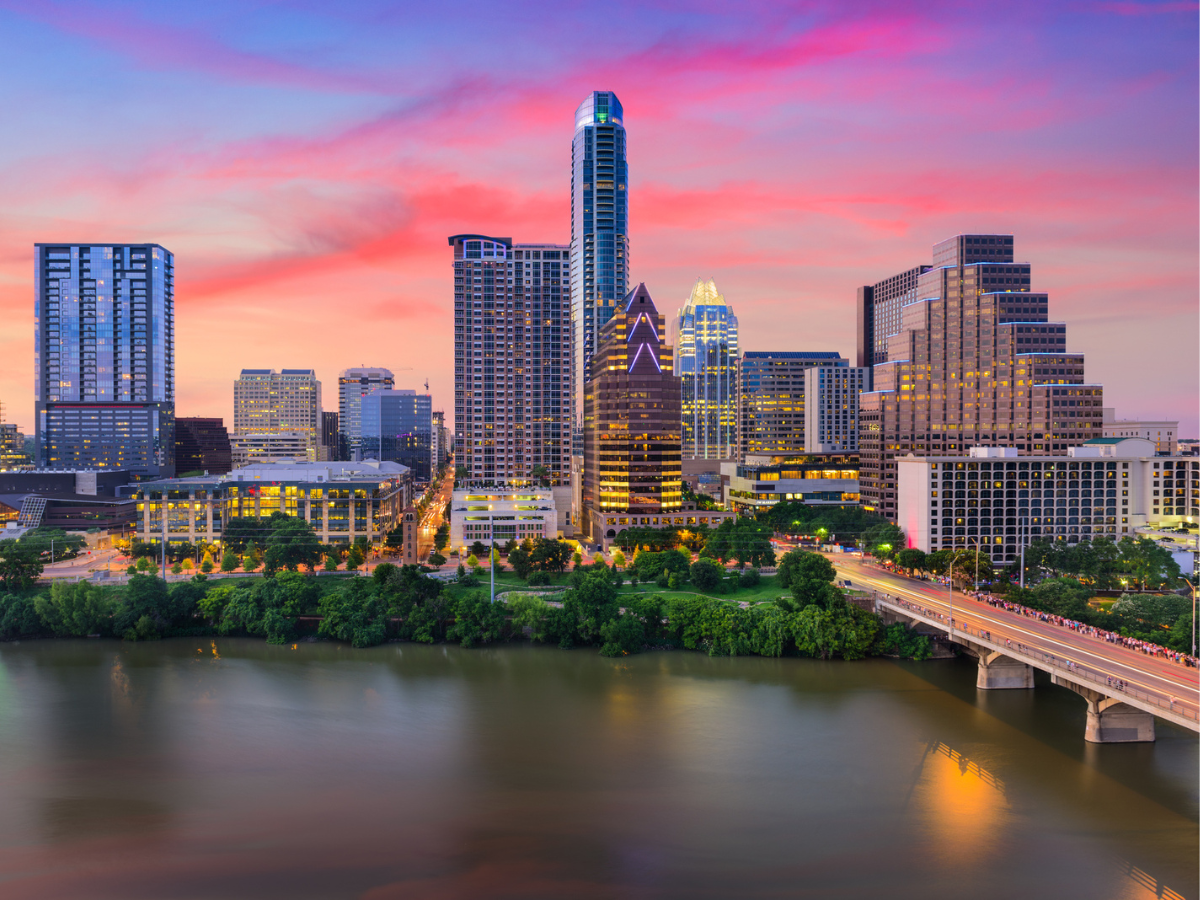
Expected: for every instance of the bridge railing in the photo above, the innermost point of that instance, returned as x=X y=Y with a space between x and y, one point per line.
x=1068 y=668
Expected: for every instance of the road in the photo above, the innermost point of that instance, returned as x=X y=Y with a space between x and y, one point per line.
x=1147 y=673
x=432 y=518
x=82 y=565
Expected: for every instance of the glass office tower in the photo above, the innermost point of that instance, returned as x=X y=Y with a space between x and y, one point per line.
x=104 y=357
x=599 y=226
x=353 y=385
x=397 y=426
x=706 y=351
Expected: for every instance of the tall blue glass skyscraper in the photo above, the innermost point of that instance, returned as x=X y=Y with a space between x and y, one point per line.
x=104 y=357
x=706 y=352
x=599 y=225
x=397 y=426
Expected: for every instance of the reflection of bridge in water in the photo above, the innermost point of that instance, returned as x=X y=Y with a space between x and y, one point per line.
x=1117 y=711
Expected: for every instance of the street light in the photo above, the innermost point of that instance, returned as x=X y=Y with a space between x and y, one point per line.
x=1192 y=585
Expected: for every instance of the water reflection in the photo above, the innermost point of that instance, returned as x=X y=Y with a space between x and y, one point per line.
x=314 y=770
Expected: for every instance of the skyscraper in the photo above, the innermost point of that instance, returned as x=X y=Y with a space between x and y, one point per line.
x=771 y=400
x=330 y=447
x=599 y=225
x=353 y=385
x=879 y=313
x=632 y=441
x=104 y=357
x=976 y=361
x=831 y=407
x=706 y=352
x=396 y=427
x=276 y=409
x=512 y=352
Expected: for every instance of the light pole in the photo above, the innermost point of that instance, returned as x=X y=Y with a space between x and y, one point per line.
x=1192 y=585
x=951 y=592
x=1024 y=536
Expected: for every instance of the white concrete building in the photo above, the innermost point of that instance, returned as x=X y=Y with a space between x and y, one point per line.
x=1107 y=486
x=498 y=515
x=1164 y=434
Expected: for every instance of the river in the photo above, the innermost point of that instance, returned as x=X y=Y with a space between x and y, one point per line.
x=234 y=769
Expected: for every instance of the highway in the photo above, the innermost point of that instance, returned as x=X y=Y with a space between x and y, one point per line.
x=1155 y=676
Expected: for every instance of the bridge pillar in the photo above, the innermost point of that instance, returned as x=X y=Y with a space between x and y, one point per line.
x=1109 y=721
x=1000 y=672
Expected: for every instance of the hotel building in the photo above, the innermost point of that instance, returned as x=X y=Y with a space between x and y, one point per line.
x=976 y=361
x=770 y=395
x=276 y=415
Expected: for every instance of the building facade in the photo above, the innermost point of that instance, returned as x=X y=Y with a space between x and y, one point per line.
x=202 y=445
x=342 y=501
x=705 y=333
x=999 y=500
x=261 y=449
x=977 y=362
x=441 y=440
x=397 y=426
x=879 y=313
x=353 y=385
x=599 y=252
x=817 y=479
x=288 y=402
x=512 y=359
x=329 y=449
x=501 y=516
x=831 y=407
x=770 y=396
x=632 y=424
x=1165 y=434
x=104 y=357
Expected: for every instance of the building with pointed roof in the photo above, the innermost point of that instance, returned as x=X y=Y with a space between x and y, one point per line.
x=705 y=334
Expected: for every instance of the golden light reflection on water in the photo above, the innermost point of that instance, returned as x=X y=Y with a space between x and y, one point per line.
x=962 y=804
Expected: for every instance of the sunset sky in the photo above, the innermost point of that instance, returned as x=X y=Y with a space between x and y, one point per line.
x=305 y=162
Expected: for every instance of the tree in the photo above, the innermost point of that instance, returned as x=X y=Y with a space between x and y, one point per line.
x=576 y=559
x=77 y=609
x=911 y=559
x=292 y=543
x=1148 y=563
x=749 y=578
x=623 y=635
x=549 y=555
x=744 y=541
x=436 y=559
x=840 y=630
x=355 y=614
x=518 y=558
x=206 y=563
x=473 y=560
x=476 y=620
x=20 y=566
x=354 y=558
x=461 y=473
x=706 y=574
x=810 y=577
x=53 y=541
x=229 y=561
x=618 y=559
x=478 y=549
x=442 y=536
x=240 y=532
x=590 y=603
x=541 y=475
x=883 y=541
x=145 y=564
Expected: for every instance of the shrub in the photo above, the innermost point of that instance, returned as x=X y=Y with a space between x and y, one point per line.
x=749 y=578
x=706 y=574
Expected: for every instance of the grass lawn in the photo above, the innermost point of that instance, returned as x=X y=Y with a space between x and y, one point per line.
x=766 y=590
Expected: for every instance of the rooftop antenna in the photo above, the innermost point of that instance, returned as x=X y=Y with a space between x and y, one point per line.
x=427 y=385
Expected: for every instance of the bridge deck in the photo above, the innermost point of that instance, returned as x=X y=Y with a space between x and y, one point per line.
x=1161 y=687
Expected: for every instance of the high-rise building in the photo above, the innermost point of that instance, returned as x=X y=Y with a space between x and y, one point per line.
x=397 y=426
x=353 y=385
x=879 y=313
x=104 y=359
x=831 y=407
x=976 y=361
x=441 y=440
x=330 y=445
x=280 y=405
x=770 y=396
x=512 y=354
x=706 y=354
x=599 y=225
x=202 y=445
x=632 y=440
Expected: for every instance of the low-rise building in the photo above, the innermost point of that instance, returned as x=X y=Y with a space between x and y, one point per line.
x=815 y=479
x=498 y=515
x=266 y=449
x=1001 y=500
x=1165 y=434
x=341 y=500
x=70 y=500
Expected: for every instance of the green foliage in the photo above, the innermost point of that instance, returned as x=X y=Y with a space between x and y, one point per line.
x=794 y=517
x=354 y=614
x=473 y=560
x=898 y=640
x=538 y=579
x=549 y=556
x=20 y=565
x=1151 y=611
x=591 y=602
x=229 y=561
x=528 y=611
x=212 y=605
x=291 y=543
x=749 y=578
x=744 y=541
x=19 y=617
x=1107 y=565
x=706 y=574
x=839 y=630
x=912 y=559
x=650 y=565
x=883 y=541
x=810 y=577
x=476 y=620
x=77 y=609
x=618 y=559
x=53 y=541
x=518 y=558
x=240 y=533
x=441 y=537
x=436 y=559
x=623 y=635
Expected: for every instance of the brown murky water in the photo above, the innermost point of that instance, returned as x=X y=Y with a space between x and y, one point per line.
x=235 y=769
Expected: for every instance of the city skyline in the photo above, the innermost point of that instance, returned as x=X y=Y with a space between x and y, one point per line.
x=276 y=215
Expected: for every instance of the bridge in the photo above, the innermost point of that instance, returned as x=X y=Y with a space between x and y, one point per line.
x=1124 y=689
